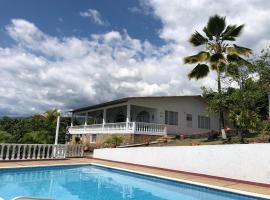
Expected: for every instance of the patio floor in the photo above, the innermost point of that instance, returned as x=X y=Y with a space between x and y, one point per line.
x=195 y=178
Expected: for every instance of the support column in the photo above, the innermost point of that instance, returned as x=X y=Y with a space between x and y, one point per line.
x=72 y=120
x=128 y=115
x=104 y=118
x=85 y=119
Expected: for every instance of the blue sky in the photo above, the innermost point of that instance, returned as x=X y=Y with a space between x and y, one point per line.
x=66 y=54
x=62 y=18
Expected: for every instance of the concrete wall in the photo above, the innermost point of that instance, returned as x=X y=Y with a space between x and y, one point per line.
x=248 y=162
x=182 y=105
x=127 y=138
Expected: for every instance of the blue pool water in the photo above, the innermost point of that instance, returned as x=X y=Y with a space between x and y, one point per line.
x=88 y=182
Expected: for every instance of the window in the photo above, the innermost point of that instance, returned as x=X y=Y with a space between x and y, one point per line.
x=189 y=120
x=93 y=138
x=171 y=117
x=203 y=122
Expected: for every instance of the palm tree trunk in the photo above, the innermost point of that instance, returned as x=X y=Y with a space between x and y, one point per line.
x=221 y=116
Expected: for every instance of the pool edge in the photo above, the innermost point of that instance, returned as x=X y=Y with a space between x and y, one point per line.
x=220 y=188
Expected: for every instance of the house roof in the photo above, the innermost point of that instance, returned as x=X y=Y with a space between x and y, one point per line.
x=126 y=99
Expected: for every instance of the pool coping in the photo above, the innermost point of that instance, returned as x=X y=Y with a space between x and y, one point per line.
x=219 y=188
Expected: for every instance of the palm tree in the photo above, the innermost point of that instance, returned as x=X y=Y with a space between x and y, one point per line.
x=220 y=52
x=51 y=115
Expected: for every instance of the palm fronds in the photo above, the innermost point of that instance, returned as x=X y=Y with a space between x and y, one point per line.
x=200 y=57
x=200 y=71
x=216 y=25
x=197 y=39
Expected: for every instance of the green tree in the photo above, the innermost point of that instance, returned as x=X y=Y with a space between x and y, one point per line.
x=4 y=137
x=36 y=129
x=37 y=137
x=262 y=68
x=219 y=54
x=246 y=107
x=51 y=115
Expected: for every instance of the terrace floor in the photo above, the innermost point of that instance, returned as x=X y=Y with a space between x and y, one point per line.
x=195 y=178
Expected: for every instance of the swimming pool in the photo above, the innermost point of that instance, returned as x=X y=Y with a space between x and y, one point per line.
x=89 y=182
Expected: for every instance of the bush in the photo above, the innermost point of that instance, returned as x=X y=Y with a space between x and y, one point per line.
x=213 y=135
x=114 y=140
x=265 y=129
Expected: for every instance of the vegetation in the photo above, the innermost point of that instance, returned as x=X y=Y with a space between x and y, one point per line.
x=247 y=105
x=243 y=86
x=36 y=129
x=114 y=140
x=220 y=53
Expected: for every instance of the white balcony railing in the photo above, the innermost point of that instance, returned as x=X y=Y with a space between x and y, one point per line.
x=39 y=151
x=121 y=128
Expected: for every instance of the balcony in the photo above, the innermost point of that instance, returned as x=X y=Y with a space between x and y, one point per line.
x=120 y=128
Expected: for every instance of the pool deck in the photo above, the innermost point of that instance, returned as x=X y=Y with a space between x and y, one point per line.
x=160 y=172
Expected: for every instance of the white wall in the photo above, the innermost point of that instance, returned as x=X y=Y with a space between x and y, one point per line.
x=183 y=105
x=249 y=162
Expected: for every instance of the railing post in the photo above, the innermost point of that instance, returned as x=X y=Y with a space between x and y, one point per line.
x=165 y=130
x=133 y=127
x=13 y=152
x=34 y=152
x=65 y=150
x=18 y=152
x=29 y=152
x=39 y=147
x=7 y=154
x=82 y=151
x=2 y=150
x=24 y=150
x=48 y=152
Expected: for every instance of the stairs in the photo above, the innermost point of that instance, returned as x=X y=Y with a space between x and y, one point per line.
x=166 y=139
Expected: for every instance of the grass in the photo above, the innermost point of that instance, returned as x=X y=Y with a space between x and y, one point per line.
x=253 y=138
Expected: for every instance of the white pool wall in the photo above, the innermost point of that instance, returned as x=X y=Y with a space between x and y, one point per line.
x=247 y=162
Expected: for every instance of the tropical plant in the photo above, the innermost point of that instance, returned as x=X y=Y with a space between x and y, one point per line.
x=220 y=52
x=35 y=129
x=114 y=140
x=51 y=115
x=245 y=107
x=37 y=137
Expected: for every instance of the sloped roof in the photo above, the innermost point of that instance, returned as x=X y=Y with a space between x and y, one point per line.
x=126 y=99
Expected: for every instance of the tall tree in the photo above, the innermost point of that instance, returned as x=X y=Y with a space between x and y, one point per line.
x=220 y=52
x=262 y=68
x=51 y=115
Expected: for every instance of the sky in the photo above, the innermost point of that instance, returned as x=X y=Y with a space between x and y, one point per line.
x=67 y=54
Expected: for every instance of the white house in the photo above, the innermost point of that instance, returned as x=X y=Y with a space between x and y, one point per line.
x=144 y=116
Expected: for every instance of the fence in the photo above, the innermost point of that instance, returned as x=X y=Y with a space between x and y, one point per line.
x=39 y=151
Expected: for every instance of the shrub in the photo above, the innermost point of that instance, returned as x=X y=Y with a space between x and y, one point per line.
x=114 y=140
x=265 y=129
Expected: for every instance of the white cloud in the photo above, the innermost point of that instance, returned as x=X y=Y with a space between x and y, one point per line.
x=95 y=16
x=42 y=71
x=181 y=18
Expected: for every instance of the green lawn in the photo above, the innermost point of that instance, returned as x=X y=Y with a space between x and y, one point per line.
x=205 y=141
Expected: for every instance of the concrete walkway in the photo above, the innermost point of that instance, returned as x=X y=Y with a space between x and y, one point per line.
x=205 y=180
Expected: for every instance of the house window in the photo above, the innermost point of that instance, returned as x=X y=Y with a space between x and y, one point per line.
x=189 y=120
x=93 y=138
x=171 y=117
x=203 y=122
